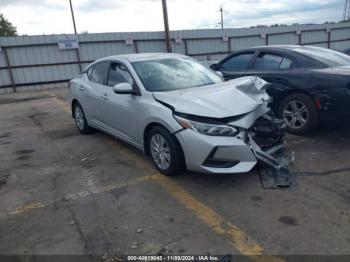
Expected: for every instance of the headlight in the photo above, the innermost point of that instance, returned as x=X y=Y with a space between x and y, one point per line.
x=205 y=128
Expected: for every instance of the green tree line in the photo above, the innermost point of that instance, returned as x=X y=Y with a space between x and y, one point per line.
x=6 y=27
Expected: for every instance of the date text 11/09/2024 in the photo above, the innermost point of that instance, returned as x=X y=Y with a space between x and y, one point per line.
x=173 y=258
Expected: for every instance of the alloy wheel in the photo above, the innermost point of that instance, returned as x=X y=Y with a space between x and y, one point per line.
x=79 y=118
x=295 y=114
x=160 y=151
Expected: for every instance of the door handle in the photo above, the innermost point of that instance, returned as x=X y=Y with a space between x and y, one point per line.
x=105 y=97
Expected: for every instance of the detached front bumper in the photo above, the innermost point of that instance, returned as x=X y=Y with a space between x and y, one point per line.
x=238 y=154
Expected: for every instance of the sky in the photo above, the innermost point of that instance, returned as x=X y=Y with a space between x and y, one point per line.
x=37 y=17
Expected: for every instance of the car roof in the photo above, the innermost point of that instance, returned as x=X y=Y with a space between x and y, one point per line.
x=143 y=57
x=283 y=48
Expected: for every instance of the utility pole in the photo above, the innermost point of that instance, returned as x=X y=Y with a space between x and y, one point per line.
x=346 y=14
x=75 y=32
x=72 y=12
x=166 y=26
x=222 y=16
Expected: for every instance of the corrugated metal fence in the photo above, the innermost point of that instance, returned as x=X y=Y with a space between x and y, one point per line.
x=36 y=62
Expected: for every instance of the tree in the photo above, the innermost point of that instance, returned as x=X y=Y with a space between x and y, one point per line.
x=6 y=28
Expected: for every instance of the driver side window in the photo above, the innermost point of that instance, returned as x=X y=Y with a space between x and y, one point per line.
x=238 y=62
x=118 y=73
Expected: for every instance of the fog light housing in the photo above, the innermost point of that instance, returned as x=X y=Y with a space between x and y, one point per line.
x=211 y=161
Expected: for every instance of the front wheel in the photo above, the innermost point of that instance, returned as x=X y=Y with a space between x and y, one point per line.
x=299 y=113
x=165 y=151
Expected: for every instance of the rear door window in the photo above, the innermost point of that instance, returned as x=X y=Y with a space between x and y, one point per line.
x=237 y=62
x=272 y=61
x=99 y=72
x=286 y=63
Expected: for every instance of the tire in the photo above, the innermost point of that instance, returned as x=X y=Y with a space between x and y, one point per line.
x=299 y=113
x=80 y=119
x=160 y=139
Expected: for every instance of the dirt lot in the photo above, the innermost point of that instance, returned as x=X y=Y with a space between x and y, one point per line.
x=66 y=193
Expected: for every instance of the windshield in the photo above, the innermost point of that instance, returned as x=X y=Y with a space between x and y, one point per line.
x=174 y=74
x=326 y=56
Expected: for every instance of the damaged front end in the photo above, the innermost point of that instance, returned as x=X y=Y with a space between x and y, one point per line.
x=238 y=126
x=265 y=137
x=265 y=133
x=266 y=140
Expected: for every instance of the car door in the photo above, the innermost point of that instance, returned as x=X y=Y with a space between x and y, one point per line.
x=120 y=111
x=93 y=91
x=237 y=65
x=274 y=68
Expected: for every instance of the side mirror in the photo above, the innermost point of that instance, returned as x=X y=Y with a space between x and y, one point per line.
x=124 y=88
x=214 y=67
x=220 y=74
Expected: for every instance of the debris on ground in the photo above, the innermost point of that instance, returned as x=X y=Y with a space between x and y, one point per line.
x=66 y=198
x=139 y=230
x=89 y=162
x=275 y=173
x=3 y=179
x=277 y=178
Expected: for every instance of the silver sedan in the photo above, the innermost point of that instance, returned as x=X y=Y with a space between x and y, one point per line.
x=177 y=111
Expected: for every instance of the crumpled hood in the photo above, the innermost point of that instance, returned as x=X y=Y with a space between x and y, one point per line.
x=227 y=99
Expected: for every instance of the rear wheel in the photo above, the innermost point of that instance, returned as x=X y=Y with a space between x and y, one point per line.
x=299 y=113
x=165 y=151
x=80 y=119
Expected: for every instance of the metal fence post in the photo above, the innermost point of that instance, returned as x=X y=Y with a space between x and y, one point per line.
x=78 y=58
x=8 y=64
x=186 y=46
x=229 y=49
x=136 y=46
x=329 y=38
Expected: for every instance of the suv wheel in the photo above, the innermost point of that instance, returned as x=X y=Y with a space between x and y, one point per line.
x=165 y=151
